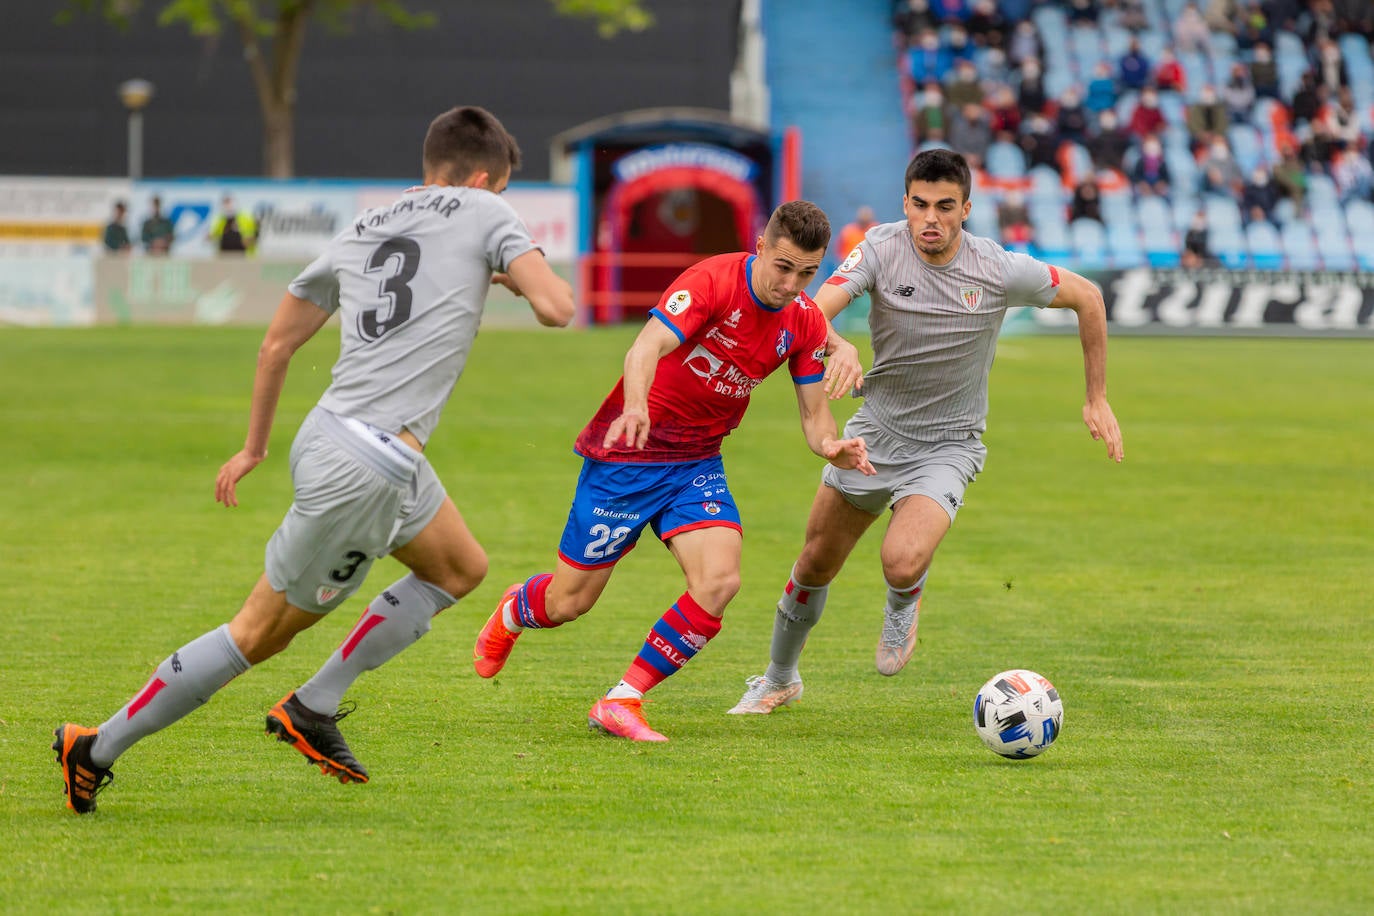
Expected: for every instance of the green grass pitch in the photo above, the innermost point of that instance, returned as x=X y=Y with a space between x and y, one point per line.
x=1204 y=609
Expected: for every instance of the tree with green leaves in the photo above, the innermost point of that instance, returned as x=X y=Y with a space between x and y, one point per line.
x=273 y=36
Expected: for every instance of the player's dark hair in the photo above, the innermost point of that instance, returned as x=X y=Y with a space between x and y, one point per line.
x=939 y=165
x=469 y=139
x=804 y=224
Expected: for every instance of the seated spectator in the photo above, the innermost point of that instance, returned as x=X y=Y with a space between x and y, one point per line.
x=1087 y=201
x=1134 y=67
x=1255 y=28
x=1220 y=173
x=1353 y=176
x=964 y=89
x=1206 y=118
x=1031 y=90
x=1169 y=75
x=1131 y=15
x=949 y=12
x=1239 y=93
x=929 y=116
x=1338 y=116
x=1190 y=30
x=1308 y=99
x=1004 y=115
x=970 y=134
x=913 y=17
x=1147 y=118
x=1259 y=197
x=1040 y=142
x=1196 y=250
x=1108 y=144
x=1330 y=64
x=956 y=40
x=925 y=59
x=1221 y=15
x=1083 y=12
x=1024 y=44
x=1101 y=89
x=1013 y=219
x=986 y=27
x=1264 y=72
x=1072 y=119
x=1151 y=171
x=1290 y=176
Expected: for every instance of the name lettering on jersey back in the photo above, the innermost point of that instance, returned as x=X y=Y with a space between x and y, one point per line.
x=441 y=205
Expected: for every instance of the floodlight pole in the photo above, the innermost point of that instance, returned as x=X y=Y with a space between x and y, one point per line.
x=135 y=94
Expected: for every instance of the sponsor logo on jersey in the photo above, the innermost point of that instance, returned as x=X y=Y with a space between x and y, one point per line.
x=612 y=513
x=711 y=507
x=703 y=362
x=971 y=297
x=852 y=261
x=326 y=593
x=785 y=338
x=733 y=320
x=726 y=341
x=678 y=302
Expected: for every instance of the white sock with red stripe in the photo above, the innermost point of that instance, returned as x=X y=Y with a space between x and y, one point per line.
x=182 y=683
x=395 y=619
x=799 y=609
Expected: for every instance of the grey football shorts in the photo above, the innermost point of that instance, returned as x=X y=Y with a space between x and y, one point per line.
x=939 y=470
x=359 y=495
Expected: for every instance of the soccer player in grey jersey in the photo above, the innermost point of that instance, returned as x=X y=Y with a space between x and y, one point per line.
x=408 y=282
x=939 y=296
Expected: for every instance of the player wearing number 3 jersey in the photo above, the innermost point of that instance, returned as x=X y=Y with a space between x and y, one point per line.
x=408 y=282
x=652 y=453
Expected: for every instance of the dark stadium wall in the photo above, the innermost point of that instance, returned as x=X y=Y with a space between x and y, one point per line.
x=365 y=97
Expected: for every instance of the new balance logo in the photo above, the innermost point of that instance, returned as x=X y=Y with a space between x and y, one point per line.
x=904 y=291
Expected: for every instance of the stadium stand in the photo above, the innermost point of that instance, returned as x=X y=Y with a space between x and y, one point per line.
x=1262 y=119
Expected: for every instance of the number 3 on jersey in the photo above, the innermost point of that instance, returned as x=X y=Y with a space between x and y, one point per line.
x=395 y=288
x=605 y=542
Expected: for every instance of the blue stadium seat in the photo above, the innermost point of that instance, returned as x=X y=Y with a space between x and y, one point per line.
x=1046 y=184
x=1005 y=160
x=1299 y=246
x=1222 y=212
x=1266 y=248
x=1123 y=245
x=1089 y=240
x=1321 y=192
x=1247 y=146
x=1359 y=219
x=1334 y=245
x=1228 y=244
x=1118 y=207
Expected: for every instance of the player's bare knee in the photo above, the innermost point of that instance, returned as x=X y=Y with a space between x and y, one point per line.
x=815 y=568
x=903 y=571
x=715 y=592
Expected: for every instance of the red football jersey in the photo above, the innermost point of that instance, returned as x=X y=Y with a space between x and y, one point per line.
x=730 y=343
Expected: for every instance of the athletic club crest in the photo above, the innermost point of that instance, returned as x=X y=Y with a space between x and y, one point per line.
x=971 y=297
x=325 y=594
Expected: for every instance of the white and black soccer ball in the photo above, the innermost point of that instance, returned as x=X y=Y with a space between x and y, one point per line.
x=1018 y=713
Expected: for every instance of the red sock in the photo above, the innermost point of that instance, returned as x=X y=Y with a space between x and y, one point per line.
x=529 y=603
x=679 y=634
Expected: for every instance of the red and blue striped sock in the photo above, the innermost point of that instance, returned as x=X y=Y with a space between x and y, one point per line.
x=677 y=636
x=528 y=607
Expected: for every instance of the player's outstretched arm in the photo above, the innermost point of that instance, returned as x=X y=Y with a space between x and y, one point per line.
x=295 y=322
x=654 y=342
x=548 y=294
x=1083 y=296
x=818 y=424
x=843 y=371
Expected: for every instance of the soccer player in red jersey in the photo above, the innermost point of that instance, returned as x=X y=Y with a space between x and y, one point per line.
x=651 y=454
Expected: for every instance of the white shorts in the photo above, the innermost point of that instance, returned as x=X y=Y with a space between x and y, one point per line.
x=940 y=470
x=359 y=495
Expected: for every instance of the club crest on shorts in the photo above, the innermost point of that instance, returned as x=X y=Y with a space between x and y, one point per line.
x=711 y=507
x=326 y=593
x=678 y=302
x=971 y=297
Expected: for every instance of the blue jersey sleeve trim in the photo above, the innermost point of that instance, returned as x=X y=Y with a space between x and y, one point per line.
x=808 y=379
x=672 y=327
